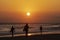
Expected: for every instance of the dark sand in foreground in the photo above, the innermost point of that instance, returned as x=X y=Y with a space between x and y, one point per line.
x=35 y=37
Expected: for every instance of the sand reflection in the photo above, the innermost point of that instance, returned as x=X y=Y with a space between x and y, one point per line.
x=29 y=34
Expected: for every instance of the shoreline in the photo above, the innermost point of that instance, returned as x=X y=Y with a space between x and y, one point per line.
x=34 y=37
x=29 y=34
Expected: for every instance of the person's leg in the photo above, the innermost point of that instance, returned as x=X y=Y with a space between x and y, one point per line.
x=26 y=33
x=41 y=35
x=12 y=34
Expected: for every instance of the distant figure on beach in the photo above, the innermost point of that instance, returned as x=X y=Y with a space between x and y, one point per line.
x=41 y=29
x=12 y=31
x=26 y=27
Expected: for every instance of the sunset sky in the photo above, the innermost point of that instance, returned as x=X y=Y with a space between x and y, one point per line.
x=41 y=11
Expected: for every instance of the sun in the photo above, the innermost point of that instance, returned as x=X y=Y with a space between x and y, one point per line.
x=28 y=14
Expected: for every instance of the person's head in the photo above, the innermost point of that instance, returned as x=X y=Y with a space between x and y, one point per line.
x=26 y=24
x=12 y=27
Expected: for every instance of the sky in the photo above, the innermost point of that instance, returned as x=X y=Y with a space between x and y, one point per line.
x=42 y=11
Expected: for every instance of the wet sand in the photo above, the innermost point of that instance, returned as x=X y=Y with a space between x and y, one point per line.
x=34 y=37
x=29 y=34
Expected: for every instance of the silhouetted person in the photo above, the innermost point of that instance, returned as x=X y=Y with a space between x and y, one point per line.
x=12 y=31
x=41 y=29
x=26 y=27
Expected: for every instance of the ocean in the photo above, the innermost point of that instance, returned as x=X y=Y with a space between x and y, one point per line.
x=33 y=28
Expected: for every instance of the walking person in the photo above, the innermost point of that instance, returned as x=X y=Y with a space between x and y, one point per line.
x=41 y=29
x=12 y=31
x=26 y=29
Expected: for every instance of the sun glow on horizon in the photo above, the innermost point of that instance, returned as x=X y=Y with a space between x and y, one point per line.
x=28 y=14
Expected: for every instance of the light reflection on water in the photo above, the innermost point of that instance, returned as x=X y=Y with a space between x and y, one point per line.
x=30 y=34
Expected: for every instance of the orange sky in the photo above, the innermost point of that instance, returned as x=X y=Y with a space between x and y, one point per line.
x=41 y=11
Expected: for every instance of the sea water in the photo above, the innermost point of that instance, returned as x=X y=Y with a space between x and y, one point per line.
x=33 y=28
